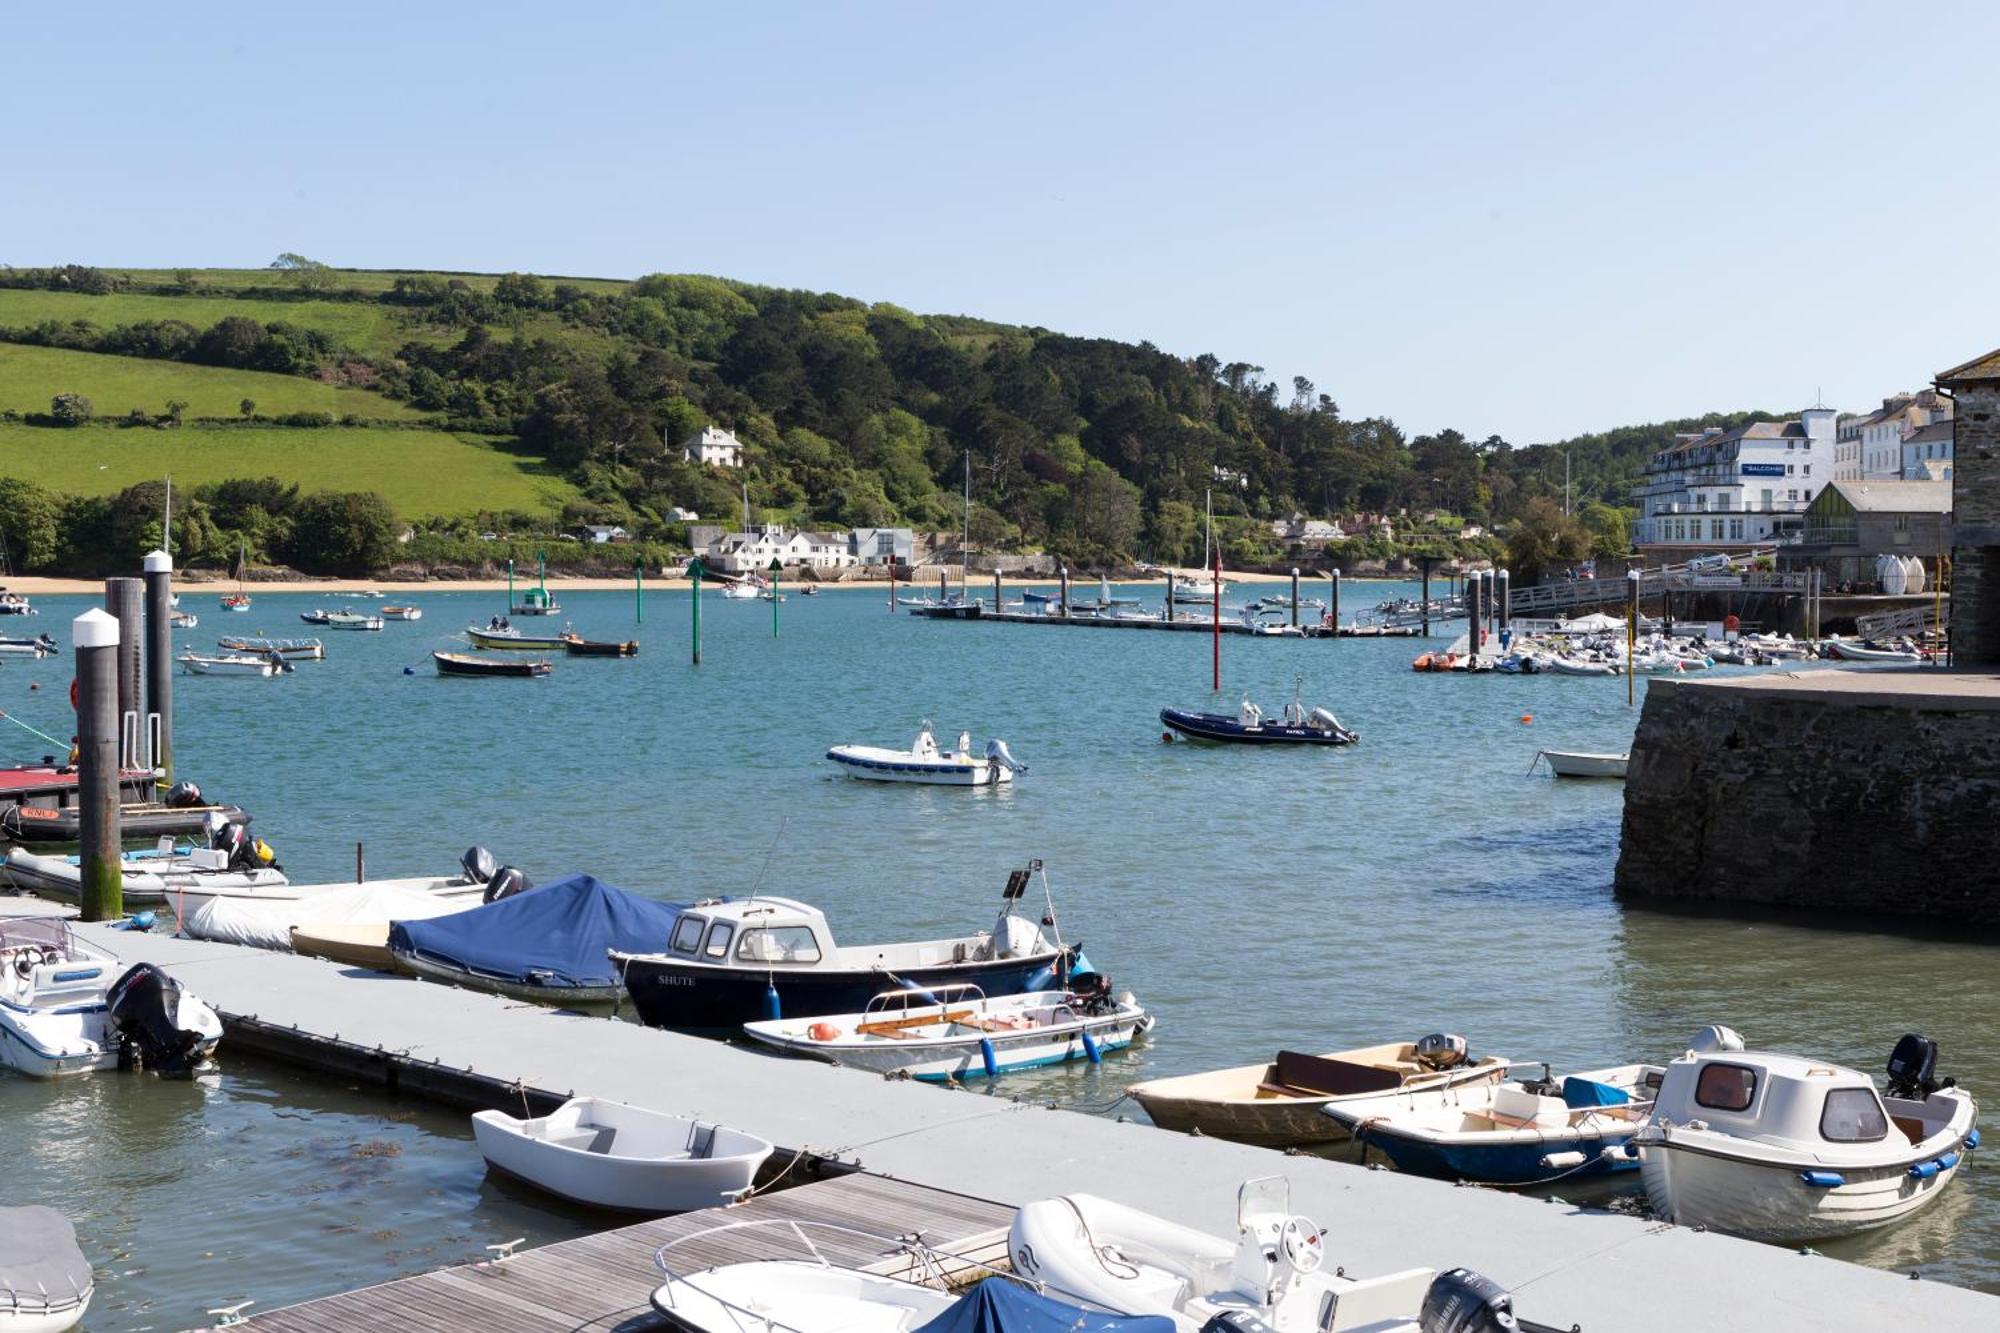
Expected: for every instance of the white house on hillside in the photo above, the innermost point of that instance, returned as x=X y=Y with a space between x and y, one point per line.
x=752 y=552
x=1735 y=487
x=1927 y=454
x=714 y=447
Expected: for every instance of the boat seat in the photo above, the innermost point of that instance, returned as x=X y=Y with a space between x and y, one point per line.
x=701 y=1143
x=1514 y=1107
x=1912 y=1129
x=1295 y=1074
x=589 y=1138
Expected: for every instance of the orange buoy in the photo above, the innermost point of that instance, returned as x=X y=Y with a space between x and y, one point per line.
x=1166 y=738
x=1527 y=718
x=822 y=1032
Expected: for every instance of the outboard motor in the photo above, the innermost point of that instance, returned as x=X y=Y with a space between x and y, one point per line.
x=182 y=795
x=1913 y=1068
x=1462 y=1301
x=1090 y=993
x=1716 y=1038
x=478 y=864
x=998 y=753
x=164 y=1028
x=233 y=841
x=1441 y=1050
x=506 y=882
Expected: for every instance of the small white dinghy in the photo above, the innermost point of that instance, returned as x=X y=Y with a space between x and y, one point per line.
x=45 y=1281
x=1584 y=764
x=1779 y=1148
x=232 y=664
x=954 y=1032
x=66 y=1007
x=924 y=762
x=615 y=1155
x=149 y=880
x=1094 y=1250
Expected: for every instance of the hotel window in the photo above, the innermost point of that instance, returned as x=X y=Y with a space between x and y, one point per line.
x=1736 y=529
x=1715 y=529
x=1788 y=469
x=1808 y=471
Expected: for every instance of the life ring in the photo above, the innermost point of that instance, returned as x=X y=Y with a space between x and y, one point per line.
x=75 y=692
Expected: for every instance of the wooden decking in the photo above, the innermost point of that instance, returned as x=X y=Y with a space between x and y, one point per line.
x=600 y=1283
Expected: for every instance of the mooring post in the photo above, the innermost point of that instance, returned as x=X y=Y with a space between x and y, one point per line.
x=776 y=568
x=996 y=589
x=1333 y=601
x=1170 y=597
x=360 y=864
x=1506 y=599
x=124 y=598
x=159 y=567
x=1215 y=621
x=638 y=590
x=1424 y=597
x=1062 y=573
x=1631 y=634
x=944 y=585
x=694 y=597
x=1295 y=596
x=95 y=634
x=892 y=583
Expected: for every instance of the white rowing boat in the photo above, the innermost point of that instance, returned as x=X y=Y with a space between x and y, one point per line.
x=614 y=1155
x=1584 y=764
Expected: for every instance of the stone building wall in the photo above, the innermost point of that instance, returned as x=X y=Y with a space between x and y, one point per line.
x=1821 y=800
x=1975 y=497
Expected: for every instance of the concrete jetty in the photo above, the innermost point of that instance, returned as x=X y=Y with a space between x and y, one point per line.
x=1568 y=1265
x=1866 y=790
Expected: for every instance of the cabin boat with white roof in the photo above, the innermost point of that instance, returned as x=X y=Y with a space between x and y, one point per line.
x=1783 y=1148
x=732 y=961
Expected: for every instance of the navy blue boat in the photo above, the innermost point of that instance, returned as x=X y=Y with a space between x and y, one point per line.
x=1251 y=727
x=732 y=961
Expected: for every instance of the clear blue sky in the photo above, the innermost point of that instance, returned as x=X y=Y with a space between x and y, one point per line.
x=1527 y=219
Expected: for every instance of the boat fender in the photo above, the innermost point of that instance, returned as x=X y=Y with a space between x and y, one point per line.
x=1972 y=1139
x=1822 y=1180
x=1562 y=1161
x=992 y=1061
x=1462 y=1301
x=1090 y=1050
x=823 y=1032
x=1925 y=1170
x=772 y=1009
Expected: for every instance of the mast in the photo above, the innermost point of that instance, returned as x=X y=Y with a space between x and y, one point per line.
x=965 y=541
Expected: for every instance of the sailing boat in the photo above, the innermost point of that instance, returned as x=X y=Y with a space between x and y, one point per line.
x=1187 y=590
x=960 y=605
x=238 y=600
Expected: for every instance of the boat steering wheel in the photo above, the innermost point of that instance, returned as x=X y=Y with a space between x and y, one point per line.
x=28 y=959
x=1300 y=1241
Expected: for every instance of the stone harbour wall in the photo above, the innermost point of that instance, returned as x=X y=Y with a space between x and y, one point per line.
x=1856 y=795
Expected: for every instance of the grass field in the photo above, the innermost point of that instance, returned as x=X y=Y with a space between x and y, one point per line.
x=420 y=472
x=30 y=376
x=370 y=330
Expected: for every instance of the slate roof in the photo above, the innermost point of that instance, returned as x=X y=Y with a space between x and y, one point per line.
x=1896 y=497
x=1979 y=368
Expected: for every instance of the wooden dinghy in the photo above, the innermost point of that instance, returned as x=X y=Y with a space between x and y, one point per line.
x=578 y=646
x=464 y=664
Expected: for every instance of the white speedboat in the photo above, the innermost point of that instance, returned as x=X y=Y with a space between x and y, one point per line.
x=944 y=1033
x=1281 y=1104
x=148 y=879
x=924 y=762
x=1855 y=650
x=352 y=620
x=1780 y=1148
x=232 y=664
x=402 y=613
x=66 y=1007
x=741 y=592
x=469 y=886
x=45 y=1281
x=311 y=650
x=1584 y=763
x=1509 y=1133
x=1275 y=1276
x=613 y=1155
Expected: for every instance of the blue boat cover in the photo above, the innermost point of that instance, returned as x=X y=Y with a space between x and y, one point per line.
x=1582 y=1092
x=552 y=936
x=1000 y=1306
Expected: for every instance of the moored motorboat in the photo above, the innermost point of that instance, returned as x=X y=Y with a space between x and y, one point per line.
x=578 y=646
x=465 y=664
x=311 y=650
x=506 y=636
x=67 y=1007
x=236 y=601
x=946 y=1033
x=234 y=664
x=183 y=619
x=1509 y=1133
x=353 y=620
x=243 y=920
x=402 y=613
x=147 y=881
x=45 y=1281
x=1780 y=1148
x=315 y=616
x=925 y=763
x=731 y=962
x=608 y=1154
x=555 y=945
x=745 y=591
x=1853 y=650
x=40 y=824
x=1281 y=1104
x=1296 y=726
x=39 y=646
x=1276 y=1276
x=1583 y=763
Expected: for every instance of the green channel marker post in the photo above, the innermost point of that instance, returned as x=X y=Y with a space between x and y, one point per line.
x=638 y=590
x=775 y=568
x=694 y=596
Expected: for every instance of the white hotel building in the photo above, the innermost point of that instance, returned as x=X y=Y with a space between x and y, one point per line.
x=1733 y=489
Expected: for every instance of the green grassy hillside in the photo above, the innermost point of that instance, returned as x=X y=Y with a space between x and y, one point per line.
x=345 y=279
x=422 y=473
x=30 y=376
x=364 y=328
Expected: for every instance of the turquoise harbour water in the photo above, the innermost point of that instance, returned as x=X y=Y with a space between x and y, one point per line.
x=1421 y=880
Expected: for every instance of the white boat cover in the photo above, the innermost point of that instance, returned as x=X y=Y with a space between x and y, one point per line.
x=39 y=1256
x=268 y=925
